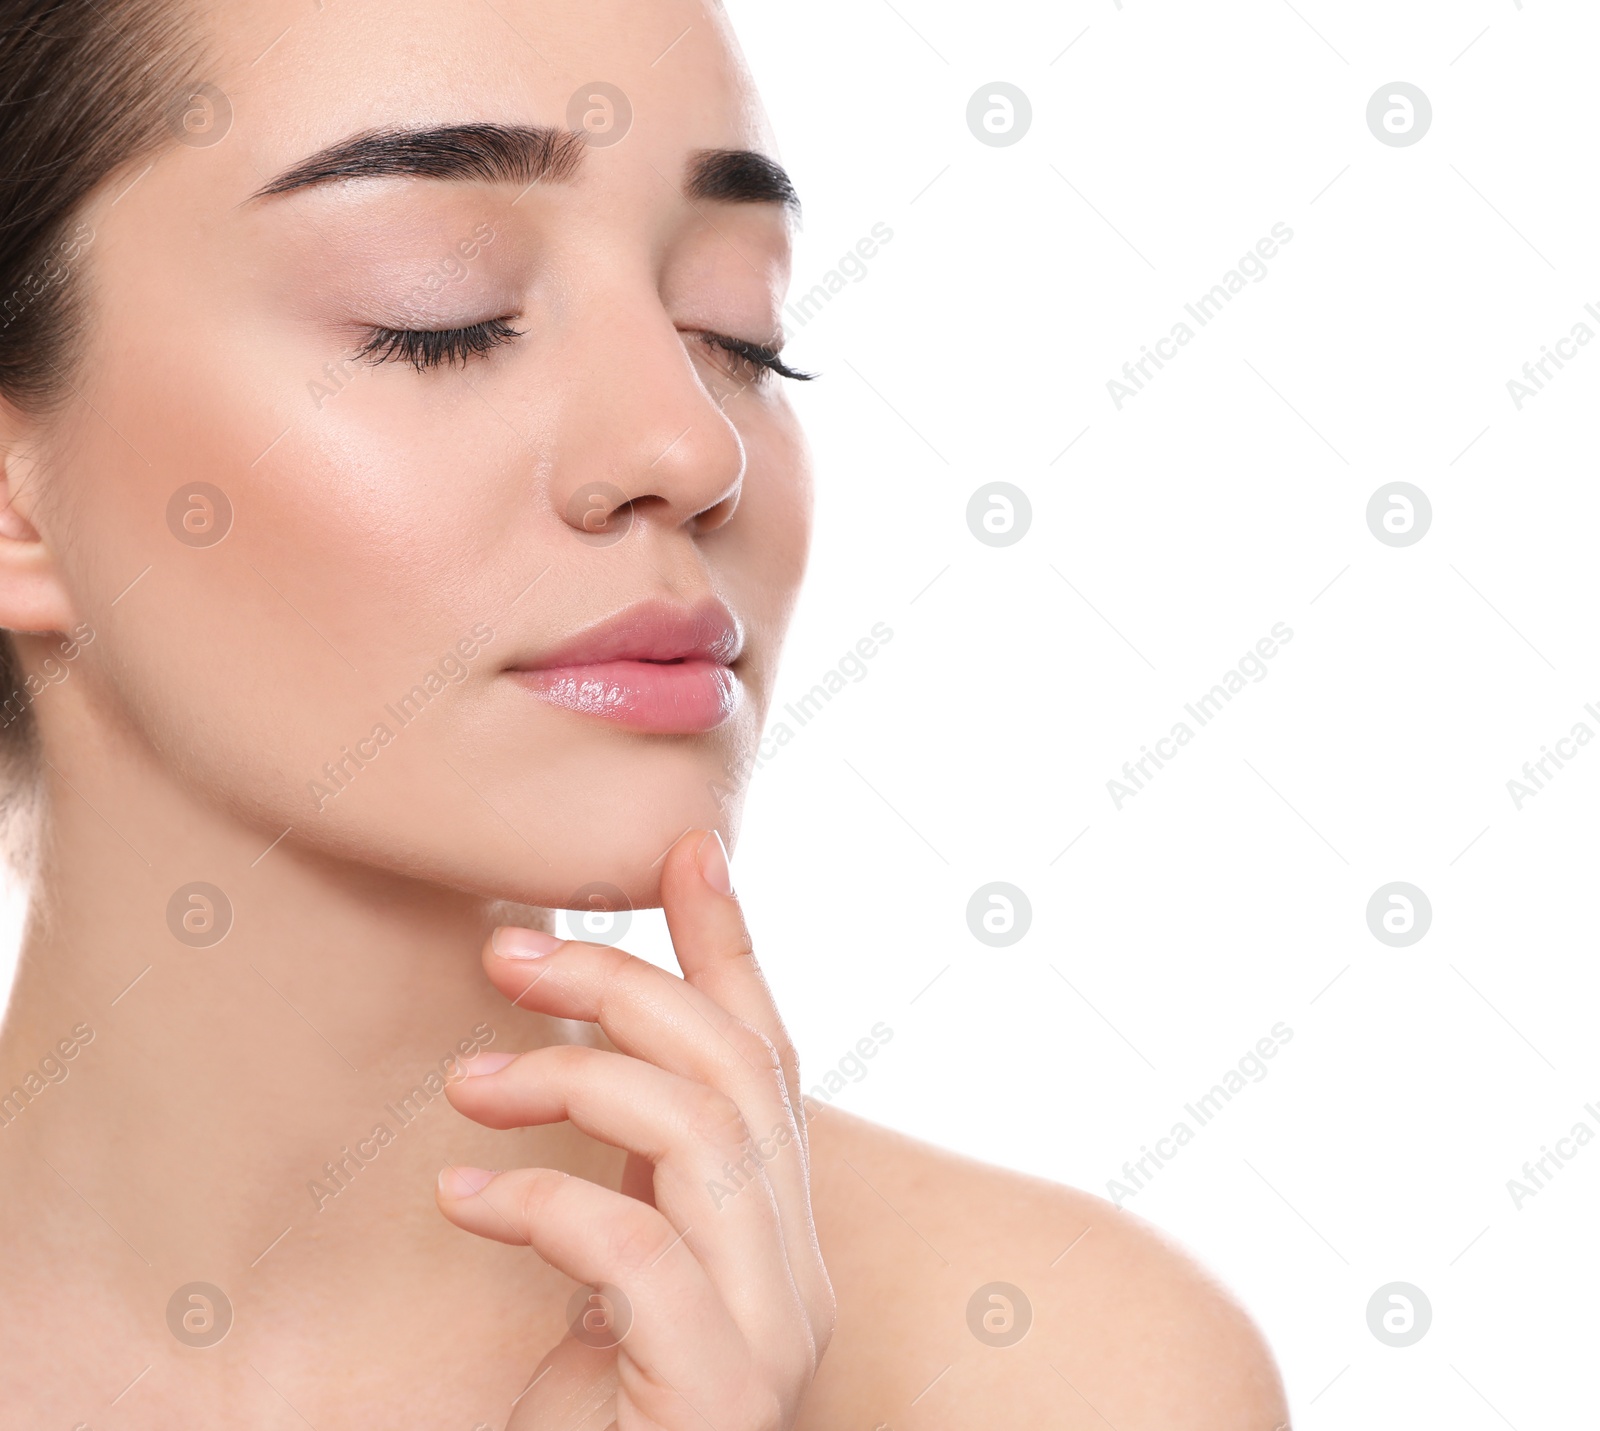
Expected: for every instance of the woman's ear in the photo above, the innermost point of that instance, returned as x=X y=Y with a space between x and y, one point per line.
x=32 y=596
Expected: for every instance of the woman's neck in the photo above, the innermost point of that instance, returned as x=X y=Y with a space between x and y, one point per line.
x=208 y=1101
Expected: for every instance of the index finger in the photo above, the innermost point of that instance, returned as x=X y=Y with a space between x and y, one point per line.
x=714 y=950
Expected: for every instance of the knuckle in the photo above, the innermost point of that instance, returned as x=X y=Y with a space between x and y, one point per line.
x=771 y=1053
x=753 y=1049
x=565 y=1060
x=627 y=980
x=718 y=1120
x=789 y=1060
x=636 y=1243
x=536 y=1197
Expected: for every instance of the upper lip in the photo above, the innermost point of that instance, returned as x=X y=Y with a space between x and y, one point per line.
x=651 y=631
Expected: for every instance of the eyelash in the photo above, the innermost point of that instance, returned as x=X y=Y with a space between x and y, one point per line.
x=764 y=360
x=432 y=348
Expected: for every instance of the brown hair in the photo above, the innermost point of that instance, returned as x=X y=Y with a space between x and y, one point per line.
x=87 y=88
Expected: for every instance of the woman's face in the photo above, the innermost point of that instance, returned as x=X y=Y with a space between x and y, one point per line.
x=358 y=658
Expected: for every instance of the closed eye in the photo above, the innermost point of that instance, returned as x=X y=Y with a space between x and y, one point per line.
x=759 y=361
x=426 y=348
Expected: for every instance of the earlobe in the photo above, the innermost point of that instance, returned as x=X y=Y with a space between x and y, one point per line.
x=32 y=597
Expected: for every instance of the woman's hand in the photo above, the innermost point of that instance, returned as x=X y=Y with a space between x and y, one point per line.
x=711 y=1306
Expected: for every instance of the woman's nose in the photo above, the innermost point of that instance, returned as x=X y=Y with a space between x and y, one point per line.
x=642 y=437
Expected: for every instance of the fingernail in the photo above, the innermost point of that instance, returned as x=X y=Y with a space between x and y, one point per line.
x=482 y=1063
x=714 y=863
x=512 y=941
x=463 y=1182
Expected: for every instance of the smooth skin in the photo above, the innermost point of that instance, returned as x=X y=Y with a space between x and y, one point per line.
x=729 y=1304
x=216 y=1121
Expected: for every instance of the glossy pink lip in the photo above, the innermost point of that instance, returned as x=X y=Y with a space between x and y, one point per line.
x=655 y=668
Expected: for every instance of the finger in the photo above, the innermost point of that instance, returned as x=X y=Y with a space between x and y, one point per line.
x=672 y=1329
x=709 y=1173
x=659 y=1018
x=639 y=1179
x=645 y=1012
x=573 y=1389
x=715 y=952
x=713 y=945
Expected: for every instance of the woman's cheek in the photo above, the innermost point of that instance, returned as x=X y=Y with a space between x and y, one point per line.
x=257 y=634
x=389 y=510
x=775 y=507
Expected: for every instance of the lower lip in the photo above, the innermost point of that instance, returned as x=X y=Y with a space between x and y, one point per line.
x=684 y=698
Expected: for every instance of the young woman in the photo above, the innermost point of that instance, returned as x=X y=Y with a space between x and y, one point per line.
x=402 y=513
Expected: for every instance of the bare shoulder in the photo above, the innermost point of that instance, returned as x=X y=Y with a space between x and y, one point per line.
x=969 y=1294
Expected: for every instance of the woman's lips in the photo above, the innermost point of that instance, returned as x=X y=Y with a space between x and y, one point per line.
x=656 y=667
x=657 y=698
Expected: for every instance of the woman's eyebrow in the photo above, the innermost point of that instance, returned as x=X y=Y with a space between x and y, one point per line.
x=519 y=154
x=740 y=176
x=485 y=153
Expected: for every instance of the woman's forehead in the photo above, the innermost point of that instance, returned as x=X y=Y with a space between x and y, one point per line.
x=519 y=91
x=354 y=65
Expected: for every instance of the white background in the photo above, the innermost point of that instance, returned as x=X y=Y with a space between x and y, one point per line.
x=1228 y=496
